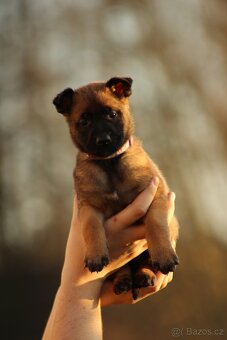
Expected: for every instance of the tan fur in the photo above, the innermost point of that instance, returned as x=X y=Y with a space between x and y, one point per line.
x=133 y=176
x=105 y=187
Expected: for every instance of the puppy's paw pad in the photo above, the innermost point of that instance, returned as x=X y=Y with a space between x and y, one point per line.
x=165 y=264
x=143 y=280
x=135 y=293
x=97 y=263
x=123 y=285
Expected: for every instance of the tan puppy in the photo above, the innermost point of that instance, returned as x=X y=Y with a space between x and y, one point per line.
x=112 y=169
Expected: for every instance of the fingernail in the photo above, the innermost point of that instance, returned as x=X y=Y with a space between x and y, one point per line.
x=171 y=196
x=155 y=181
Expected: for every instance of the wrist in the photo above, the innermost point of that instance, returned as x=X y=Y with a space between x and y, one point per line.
x=81 y=284
x=76 y=313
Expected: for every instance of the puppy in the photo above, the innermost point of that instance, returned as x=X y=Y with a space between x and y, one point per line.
x=112 y=168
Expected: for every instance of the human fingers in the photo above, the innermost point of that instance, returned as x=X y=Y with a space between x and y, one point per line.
x=134 y=233
x=120 y=255
x=128 y=236
x=161 y=281
x=168 y=278
x=137 y=232
x=134 y=211
x=108 y=297
x=75 y=211
x=171 y=202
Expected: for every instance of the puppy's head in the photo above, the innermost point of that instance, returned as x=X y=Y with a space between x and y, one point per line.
x=98 y=115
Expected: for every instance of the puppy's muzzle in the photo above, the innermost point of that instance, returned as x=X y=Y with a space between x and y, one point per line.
x=103 y=139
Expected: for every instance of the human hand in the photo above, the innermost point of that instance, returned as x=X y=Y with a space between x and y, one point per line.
x=108 y=297
x=125 y=240
x=76 y=311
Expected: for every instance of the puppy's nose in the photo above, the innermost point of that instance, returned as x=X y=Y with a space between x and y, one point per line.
x=103 y=139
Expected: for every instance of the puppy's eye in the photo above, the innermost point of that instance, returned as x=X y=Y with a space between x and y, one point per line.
x=112 y=114
x=84 y=122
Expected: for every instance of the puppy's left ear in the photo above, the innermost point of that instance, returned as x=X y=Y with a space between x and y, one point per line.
x=120 y=87
x=63 y=101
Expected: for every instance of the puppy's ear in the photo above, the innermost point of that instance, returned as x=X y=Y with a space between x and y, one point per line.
x=120 y=87
x=63 y=101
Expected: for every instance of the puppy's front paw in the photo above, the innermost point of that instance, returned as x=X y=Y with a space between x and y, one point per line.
x=97 y=263
x=165 y=261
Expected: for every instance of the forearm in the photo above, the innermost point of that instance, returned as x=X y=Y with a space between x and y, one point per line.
x=76 y=314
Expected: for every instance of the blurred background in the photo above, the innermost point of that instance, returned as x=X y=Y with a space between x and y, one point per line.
x=176 y=52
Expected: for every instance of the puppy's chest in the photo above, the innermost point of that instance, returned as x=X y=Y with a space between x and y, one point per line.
x=110 y=185
x=122 y=184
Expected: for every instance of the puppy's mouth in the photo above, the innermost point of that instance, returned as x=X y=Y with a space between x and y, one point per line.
x=104 y=145
x=104 y=150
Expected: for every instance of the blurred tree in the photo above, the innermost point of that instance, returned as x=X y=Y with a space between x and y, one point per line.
x=176 y=52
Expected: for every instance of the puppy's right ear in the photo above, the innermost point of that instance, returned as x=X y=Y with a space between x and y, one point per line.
x=63 y=101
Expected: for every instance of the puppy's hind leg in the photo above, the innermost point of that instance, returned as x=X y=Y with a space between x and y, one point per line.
x=143 y=275
x=122 y=281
